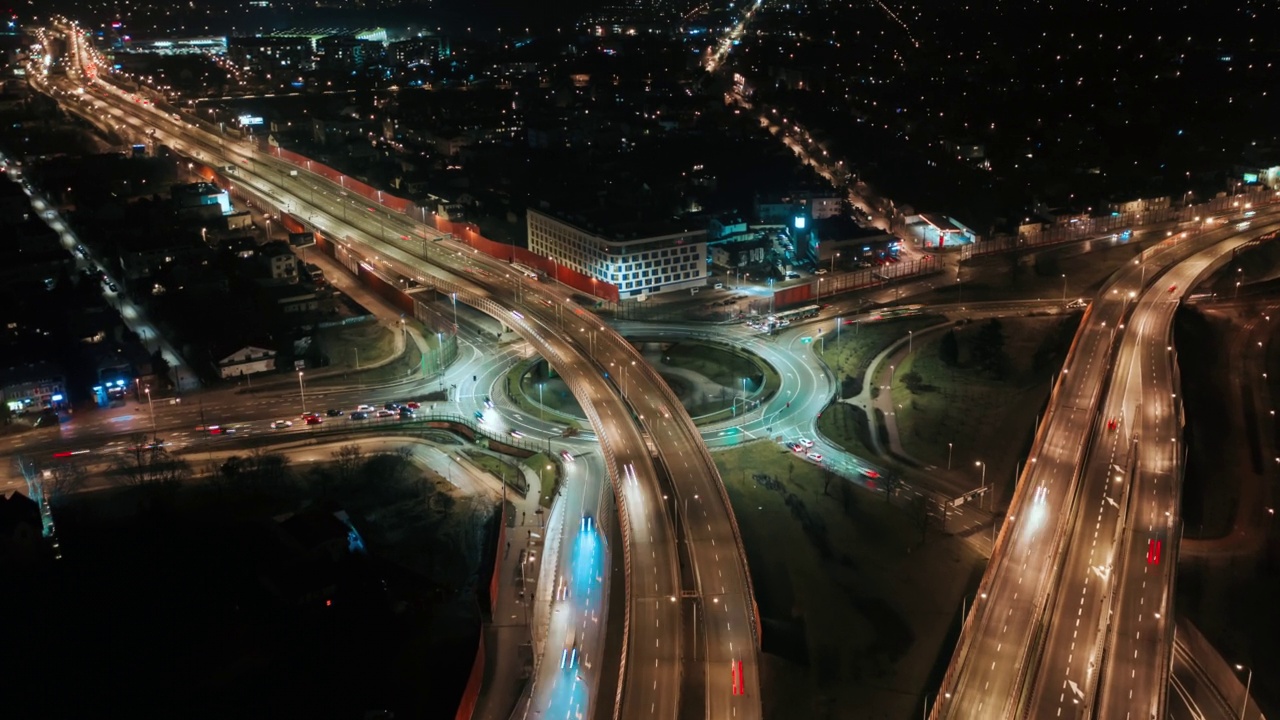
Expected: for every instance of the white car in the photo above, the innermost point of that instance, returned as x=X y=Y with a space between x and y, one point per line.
x=365 y=408
x=568 y=456
x=816 y=457
x=281 y=424
x=806 y=442
x=517 y=434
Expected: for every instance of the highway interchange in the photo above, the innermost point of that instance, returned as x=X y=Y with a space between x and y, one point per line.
x=1035 y=640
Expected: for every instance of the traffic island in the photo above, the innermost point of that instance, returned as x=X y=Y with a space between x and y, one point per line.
x=856 y=606
x=714 y=382
x=972 y=394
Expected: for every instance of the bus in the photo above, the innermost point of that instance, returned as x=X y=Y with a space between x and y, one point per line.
x=527 y=271
x=786 y=318
x=896 y=312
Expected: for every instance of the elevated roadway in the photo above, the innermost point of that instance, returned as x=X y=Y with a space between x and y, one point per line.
x=1031 y=643
x=648 y=425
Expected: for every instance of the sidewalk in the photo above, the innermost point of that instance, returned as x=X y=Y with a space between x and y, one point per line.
x=507 y=635
x=884 y=399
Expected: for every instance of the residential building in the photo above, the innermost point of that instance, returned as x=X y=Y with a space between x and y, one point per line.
x=637 y=258
x=279 y=263
x=265 y=54
x=32 y=388
x=247 y=360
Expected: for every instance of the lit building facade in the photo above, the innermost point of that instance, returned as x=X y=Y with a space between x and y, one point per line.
x=662 y=261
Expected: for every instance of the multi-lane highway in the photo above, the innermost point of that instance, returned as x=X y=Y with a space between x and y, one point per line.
x=1033 y=641
x=1136 y=651
x=720 y=579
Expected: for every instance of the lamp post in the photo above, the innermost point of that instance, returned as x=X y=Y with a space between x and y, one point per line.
x=540 y=411
x=1064 y=288
x=950 y=446
x=1248 y=684
x=983 y=484
x=964 y=608
x=833 y=261
x=910 y=341
x=152 y=411
x=302 y=393
x=454 y=296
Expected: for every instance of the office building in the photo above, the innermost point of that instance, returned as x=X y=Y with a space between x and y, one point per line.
x=637 y=258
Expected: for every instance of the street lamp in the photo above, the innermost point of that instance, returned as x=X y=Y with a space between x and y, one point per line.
x=1247 y=685
x=455 y=311
x=833 y=261
x=910 y=338
x=540 y=411
x=302 y=393
x=152 y=409
x=983 y=485
x=1064 y=288
x=950 y=446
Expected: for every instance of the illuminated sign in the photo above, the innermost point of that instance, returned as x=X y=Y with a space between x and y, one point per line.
x=250 y=120
x=1250 y=178
x=800 y=222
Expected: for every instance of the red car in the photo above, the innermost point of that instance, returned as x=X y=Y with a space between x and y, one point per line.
x=314 y=420
x=1111 y=424
x=1172 y=288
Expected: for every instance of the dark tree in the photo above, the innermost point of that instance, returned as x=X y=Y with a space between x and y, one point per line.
x=988 y=348
x=949 y=349
x=160 y=367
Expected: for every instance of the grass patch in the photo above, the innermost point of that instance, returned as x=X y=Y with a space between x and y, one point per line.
x=850 y=355
x=549 y=474
x=369 y=342
x=725 y=366
x=719 y=364
x=1007 y=276
x=557 y=403
x=935 y=403
x=855 y=607
x=398 y=369
x=847 y=427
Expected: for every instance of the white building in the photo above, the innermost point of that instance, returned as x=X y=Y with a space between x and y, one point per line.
x=651 y=260
x=246 y=361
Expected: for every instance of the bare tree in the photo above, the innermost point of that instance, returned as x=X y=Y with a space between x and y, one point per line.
x=148 y=463
x=347 y=461
x=64 y=480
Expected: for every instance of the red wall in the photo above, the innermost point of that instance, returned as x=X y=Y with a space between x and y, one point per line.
x=291 y=223
x=497 y=560
x=792 y=296
x=386 y=290
x=465 y=232
x=471 y=695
